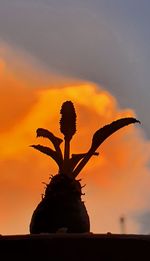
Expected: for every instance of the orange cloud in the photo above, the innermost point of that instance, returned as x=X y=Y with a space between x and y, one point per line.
x=116 y=181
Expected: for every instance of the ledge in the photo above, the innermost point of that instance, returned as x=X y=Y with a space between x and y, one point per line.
x=75 y=247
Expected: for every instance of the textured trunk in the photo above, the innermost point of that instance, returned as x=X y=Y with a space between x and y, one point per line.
x=61 y=208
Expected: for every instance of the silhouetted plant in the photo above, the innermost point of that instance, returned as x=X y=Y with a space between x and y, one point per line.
x=61 y=206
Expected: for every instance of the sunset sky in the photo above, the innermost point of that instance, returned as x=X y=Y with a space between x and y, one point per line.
x=96 y=54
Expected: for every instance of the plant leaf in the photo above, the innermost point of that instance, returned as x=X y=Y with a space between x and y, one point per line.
x=99 y=137
x=48 y=151
x=47 y=134
x=104 y=132
x=75 y=159
x=55 y=140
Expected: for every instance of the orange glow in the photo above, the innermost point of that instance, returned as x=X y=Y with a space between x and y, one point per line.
x=116 y=180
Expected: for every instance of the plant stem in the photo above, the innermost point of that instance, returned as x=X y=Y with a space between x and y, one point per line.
x=83 y=162
x=66 y=156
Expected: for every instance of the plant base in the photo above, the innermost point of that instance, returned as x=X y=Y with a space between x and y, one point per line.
x=61 y=208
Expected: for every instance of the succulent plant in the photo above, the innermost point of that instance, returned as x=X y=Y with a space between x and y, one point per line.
x=62 y=207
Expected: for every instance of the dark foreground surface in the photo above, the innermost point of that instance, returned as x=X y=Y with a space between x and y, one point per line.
x=75 y=247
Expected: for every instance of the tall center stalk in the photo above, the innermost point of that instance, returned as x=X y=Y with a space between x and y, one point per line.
x=68 y=128
x=66 y=156
x=67 y=150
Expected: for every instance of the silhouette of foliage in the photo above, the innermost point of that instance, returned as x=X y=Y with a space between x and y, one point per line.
x=61 y=205
x=76 y=158
x=47 y=134
x=48 y=151
x=73 y=165
x=103 y=133
x=100 y=136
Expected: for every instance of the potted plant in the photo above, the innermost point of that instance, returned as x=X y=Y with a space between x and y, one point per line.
x=61 y=207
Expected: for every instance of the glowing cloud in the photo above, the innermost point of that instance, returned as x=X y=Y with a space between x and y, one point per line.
x=116 y=181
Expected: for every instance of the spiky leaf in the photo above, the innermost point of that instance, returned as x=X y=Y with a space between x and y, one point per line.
x=75 y=159
x=47 y=134
x=55 y=140
x=68 y=120
x=48 y=151
x=99 y=137
x=103 y=133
